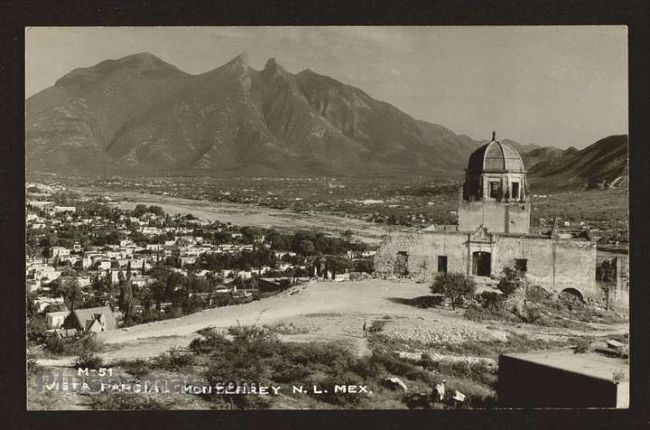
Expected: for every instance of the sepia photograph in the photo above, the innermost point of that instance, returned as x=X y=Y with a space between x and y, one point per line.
x=326 y=217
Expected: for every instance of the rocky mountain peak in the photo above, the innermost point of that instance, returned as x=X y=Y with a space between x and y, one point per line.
x=140 y=63
x=240 y=62
x=272 y=70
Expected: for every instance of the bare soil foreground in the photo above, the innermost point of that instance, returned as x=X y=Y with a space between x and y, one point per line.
x=328 y=311
x=247 y=215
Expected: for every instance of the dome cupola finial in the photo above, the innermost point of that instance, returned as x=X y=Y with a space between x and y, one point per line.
x=494 y=136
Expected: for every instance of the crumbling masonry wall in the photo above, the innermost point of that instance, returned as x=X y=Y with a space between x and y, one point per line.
x=553 y=264
x=423 y=250
x=620 y=295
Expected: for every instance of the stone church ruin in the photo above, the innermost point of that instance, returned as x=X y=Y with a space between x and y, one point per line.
x=493 y=231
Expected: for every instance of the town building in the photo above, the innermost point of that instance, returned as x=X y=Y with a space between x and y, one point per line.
x=493 y=232
x=90 y=320
x=55 y=320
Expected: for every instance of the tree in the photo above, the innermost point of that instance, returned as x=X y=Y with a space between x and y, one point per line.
x=145 y=296
x=306 y=247
x=158 y=293
x=511 y=280
x=126 y=303
x=36 y=328
x=156 y=210
x=455 y=286
x=347 y=235
x=140 y=210
x=72 y=295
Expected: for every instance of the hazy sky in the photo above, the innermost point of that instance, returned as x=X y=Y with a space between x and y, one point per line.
x=553 y=86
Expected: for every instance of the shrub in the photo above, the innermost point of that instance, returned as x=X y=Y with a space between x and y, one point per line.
x=368 y=368
x=289 y=372
x=511 y=280
x=475 y=371
x=90 y=343
x=88 y=360
x=76 y=345
x=56 y=345
x=490 y=300
x=399 y=367
x=209 y=340
x=173 y=360
x=456 y=286
x=537 y=294
x=138 y=368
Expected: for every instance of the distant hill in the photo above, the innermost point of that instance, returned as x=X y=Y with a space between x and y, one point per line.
x=602 y=164
x=141 y=115
x=531 y=158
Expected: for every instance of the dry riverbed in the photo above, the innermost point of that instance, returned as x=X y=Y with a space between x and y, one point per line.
x=246 y=215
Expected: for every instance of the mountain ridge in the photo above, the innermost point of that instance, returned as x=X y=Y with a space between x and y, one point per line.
x=141 y=115
x=603 y=164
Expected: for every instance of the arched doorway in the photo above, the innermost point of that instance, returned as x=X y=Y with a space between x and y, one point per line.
x=481 y=263
x=571 y=295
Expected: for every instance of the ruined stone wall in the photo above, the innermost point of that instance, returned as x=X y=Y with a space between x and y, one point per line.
x=386 y=256
x=536 y=250
x=553 y=264
x=423 y=249
x=497 y=217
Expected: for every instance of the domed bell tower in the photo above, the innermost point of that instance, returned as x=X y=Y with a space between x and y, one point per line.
x=495 y=192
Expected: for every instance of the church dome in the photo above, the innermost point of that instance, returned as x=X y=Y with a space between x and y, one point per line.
x=495 y=156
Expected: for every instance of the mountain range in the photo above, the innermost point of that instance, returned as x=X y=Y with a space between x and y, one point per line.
x=600 y=165
x=141 y=115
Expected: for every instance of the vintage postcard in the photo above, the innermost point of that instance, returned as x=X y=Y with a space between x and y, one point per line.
x=419 y=217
